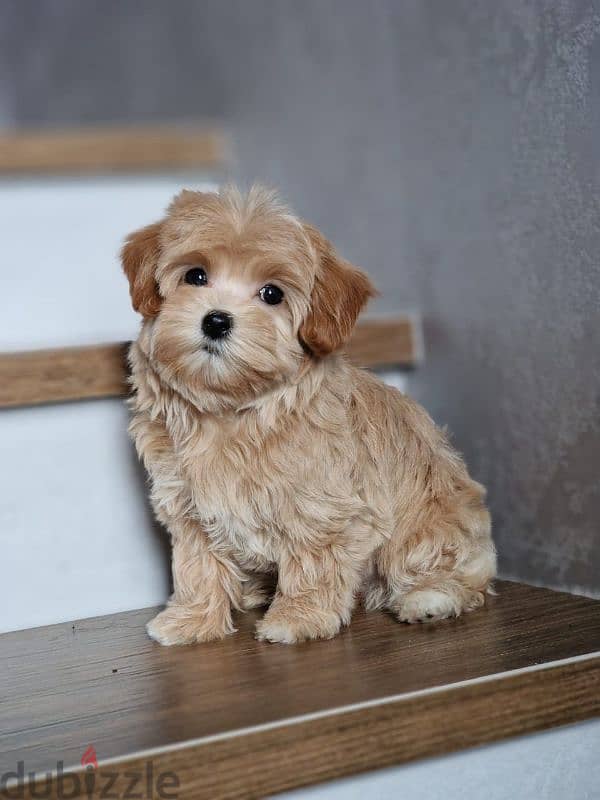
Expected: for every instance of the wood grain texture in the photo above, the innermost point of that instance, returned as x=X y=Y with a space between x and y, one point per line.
x=386 y=342
x=70 y=373
x=103 y=682
x=258 y=764
x=78 y=373
x=105 y=150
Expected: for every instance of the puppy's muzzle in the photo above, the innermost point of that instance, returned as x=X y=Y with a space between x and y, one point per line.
x=217 y=324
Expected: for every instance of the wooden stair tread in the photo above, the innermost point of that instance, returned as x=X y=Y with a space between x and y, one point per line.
x=222 y=710
x=112 y=149
x=93 y=371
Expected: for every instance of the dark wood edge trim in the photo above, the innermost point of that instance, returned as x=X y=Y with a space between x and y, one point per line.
x=344 y=742
x=80 y=373
x=111 y=149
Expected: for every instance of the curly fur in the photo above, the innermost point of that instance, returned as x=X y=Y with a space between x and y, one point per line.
x=283 y=474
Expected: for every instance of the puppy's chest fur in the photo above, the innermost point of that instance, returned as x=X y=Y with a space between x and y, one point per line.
x=231 y=494
x=256 y=480
x=255 y=483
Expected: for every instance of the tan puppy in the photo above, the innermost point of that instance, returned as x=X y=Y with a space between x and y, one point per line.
x=271 y=458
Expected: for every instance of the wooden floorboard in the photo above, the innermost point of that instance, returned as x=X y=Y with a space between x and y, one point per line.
x=81 y=373
x=243 y=718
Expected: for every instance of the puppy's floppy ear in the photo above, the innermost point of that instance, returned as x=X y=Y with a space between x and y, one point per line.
x=339 y=293
x=139 y=257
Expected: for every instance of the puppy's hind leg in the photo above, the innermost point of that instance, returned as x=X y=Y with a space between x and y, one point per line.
x=443 y=571
x=374 y=590
x=258 y=590
x=445 y=599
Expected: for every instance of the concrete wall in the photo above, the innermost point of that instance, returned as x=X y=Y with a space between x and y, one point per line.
x=449 y=147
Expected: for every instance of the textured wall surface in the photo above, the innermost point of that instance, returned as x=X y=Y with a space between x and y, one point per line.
x=449 y=147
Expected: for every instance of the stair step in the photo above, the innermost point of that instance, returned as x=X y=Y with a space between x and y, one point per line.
x=243 y=718
x=78 y=373
x=113 y=149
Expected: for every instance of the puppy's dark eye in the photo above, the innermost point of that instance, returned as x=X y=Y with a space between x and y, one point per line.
x=272 y=295
x=196 y=277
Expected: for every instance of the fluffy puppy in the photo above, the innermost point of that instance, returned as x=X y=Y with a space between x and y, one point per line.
x=272 y=460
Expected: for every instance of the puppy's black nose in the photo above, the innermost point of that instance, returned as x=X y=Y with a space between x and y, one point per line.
x=217 y=324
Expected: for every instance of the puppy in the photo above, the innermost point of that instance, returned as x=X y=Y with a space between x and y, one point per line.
x=272 y=460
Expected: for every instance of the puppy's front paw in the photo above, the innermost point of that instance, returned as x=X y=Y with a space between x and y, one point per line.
x=179 y=624
x=289 y=623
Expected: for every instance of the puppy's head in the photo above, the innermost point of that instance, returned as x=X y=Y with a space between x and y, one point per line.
x=237 y=293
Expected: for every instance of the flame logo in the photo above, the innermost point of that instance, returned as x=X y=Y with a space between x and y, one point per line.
x=89 y=758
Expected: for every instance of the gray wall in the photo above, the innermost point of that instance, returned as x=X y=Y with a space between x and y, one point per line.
x=449 y=146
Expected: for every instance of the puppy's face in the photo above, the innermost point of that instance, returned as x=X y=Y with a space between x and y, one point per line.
x=237 y=294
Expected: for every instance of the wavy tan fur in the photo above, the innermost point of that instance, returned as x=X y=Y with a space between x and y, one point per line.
x=283 y=474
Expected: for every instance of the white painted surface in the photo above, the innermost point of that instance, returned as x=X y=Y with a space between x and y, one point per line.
x=59 y=273
x=561 y=764
x=76 y=537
